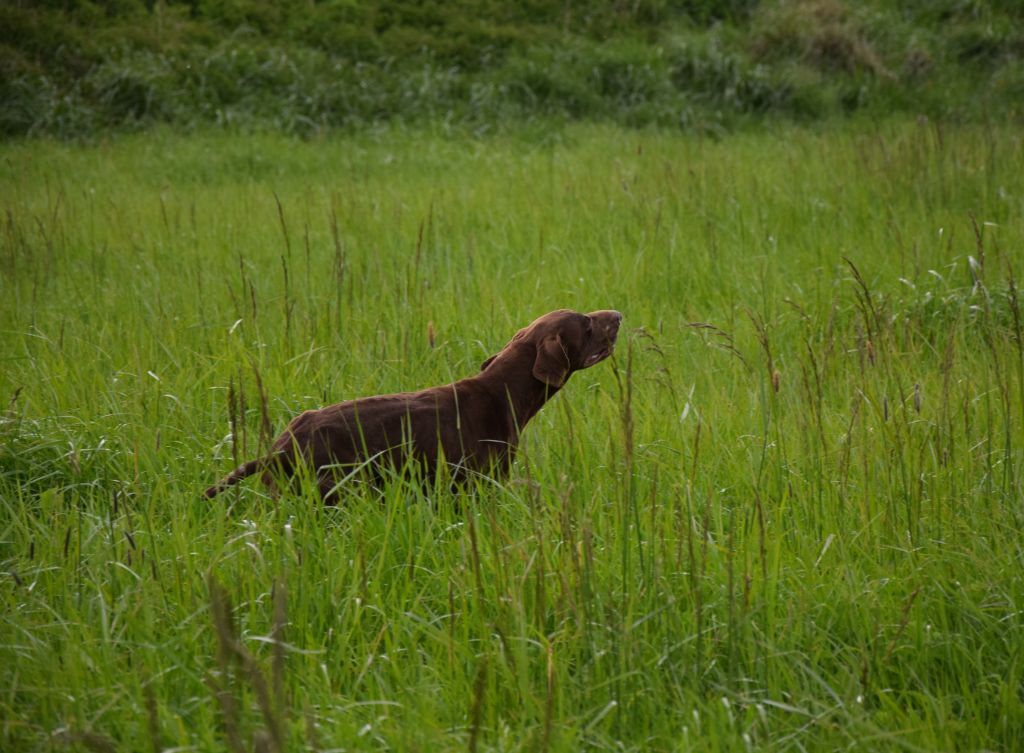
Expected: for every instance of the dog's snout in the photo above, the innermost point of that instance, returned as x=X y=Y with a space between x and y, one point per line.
x=608 y=321
x=608 y=316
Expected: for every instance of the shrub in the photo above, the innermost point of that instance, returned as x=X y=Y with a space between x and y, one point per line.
x=822 y=33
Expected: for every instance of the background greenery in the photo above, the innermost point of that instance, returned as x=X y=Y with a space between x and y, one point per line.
x=75 y=68
x=787 y=516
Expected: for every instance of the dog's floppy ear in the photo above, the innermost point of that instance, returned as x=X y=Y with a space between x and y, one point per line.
x=552 y=364
x=487 y=363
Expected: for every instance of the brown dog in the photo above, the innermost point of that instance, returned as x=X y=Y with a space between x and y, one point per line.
x=473 y=424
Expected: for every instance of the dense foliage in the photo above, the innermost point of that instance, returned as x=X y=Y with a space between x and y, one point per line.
x=74 y=68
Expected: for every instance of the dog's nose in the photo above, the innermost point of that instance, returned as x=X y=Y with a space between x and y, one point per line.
x=612 y=319
x=612 y=314
x=608 y=322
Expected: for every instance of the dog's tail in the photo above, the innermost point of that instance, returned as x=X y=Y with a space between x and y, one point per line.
x=243 y=471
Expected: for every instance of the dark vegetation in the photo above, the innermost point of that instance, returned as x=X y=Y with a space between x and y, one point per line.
x=72 y=68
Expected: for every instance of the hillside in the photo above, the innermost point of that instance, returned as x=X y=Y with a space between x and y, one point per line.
x=76 y=68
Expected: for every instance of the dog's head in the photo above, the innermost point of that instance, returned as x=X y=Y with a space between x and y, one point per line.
x=562 y=342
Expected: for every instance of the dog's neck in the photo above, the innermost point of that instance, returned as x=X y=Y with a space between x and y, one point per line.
x=510 y=380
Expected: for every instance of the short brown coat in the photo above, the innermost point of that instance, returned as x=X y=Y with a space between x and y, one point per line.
x=473 y=424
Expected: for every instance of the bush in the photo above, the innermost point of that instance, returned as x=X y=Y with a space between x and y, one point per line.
x=726 y=81
x=821 y=33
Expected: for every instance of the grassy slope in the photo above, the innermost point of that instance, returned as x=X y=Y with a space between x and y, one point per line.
x=831 y=560
x=75 y=69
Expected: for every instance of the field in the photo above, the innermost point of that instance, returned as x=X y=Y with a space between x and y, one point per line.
x=787 y=516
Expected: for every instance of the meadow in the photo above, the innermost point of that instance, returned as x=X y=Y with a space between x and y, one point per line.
x=786 y=516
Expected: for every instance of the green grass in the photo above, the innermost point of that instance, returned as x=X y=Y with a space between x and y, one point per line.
x=787 y=516
x=77 y=69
